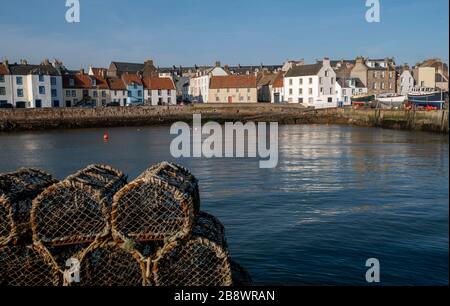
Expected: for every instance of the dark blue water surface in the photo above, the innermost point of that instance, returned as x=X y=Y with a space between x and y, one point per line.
x=339 y=196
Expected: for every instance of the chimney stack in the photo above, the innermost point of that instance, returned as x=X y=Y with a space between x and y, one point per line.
x=82 y=71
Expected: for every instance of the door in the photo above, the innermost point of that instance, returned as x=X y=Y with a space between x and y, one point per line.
x=230 y=99
x=56 y=103
x=38 y=103
x=277 y=98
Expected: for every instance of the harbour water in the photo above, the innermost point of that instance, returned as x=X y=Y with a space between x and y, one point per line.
x=339 y=196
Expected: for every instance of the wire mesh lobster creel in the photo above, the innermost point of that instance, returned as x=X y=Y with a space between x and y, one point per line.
x=178 y=176
x=209 y=227
x=17 y=190
x=195 y=262
x=200 y=261
x=27 y=265
x=76 y=210
x=151 y=209
x=111 y=264
x=241 y=277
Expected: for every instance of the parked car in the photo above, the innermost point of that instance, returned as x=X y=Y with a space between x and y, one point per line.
x=113 y=104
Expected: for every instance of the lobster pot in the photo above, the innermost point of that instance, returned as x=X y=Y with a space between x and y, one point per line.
x=17 y=191
x=178 y=176
x=200 y=261
x=77 y=209
x=27 y=266
x=151 y=208
x=241 y=277
x=111 y=264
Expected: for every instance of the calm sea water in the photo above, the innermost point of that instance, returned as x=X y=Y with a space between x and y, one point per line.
x=339 y=196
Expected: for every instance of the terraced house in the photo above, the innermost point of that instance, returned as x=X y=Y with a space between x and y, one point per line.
x=35 y=86
x=81 y=89
x=378 y=75
x=135 y=89
x=5 y=85
x=233 y=89
x=159 y=91
x=311 y=85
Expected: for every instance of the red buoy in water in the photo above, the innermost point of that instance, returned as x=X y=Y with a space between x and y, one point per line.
x=105 y=137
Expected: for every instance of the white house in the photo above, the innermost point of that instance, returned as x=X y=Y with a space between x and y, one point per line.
x=278 y=95
x=118 y=91
x=346 y=88
x=405 y=81
x=5 y=85
x=311 y=85
x=199 y=84
x=159 y=91
x=36 y=86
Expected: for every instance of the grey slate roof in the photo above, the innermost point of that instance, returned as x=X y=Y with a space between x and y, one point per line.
x=128 y=67
x=304 y=70
x=18 y=69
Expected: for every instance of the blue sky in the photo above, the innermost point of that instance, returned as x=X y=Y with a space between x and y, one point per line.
x=188 y=32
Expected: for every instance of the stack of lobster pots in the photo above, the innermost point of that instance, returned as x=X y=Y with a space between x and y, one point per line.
x=94 y=229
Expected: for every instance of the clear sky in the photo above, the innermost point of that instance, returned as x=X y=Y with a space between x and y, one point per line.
x=247 y=32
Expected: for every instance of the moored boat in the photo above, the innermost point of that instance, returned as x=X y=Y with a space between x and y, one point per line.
x=362 y=99
x=427 y=98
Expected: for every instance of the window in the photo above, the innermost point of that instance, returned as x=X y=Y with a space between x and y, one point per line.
x=330 y=100
x=237 y=90
x=2 y=78
x=85 y=93
x=321 y=90
x=228 y=90
x=2 y=91
x=168 y=92
x=20 y=93
x=241 y=98
x=95 y=94
x=375 y=74
x=54 y=93
x=383 y=74
x=331 y=91
x=103 y=102
x=320 y=81
x=38 y=103
x=310 y=91
x=103 y=93
x=53 y=81
x=248 y=90
x=391 y=74
x=139 y=93
x=327 y=73
x=249 y=98
x=68 y=93
x=290 y=91
x=390 y=86
x=382 y=85
x=332 y=81
x=129 y=93
x=56 y=103
x=301 y=81
x=169 y=100
x=68 y=103
x=71 y=82
x=300 y=91
x=375 y=85
x=344 y=91
x=290 y=81
x=345 y=99
x=311 y=100
x=310 y=80
x=218 y=90
x=217 y=99
x=159 y=92
x=115 y=92
x=41 y=78
x=19 y=80
x=74 y=93
x=41 y=90
x=300 y=100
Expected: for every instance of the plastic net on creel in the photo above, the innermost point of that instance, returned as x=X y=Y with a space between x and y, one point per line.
x=199 y=261
x=76 y=210
x=159 y=205
x=27 y=266
x=17 y=190
x=111 y=264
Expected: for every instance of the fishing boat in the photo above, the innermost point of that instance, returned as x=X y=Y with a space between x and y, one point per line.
x=362 y=99
x=424 y=97
x=391 y=100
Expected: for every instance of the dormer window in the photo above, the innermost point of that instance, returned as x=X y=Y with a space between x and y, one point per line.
x=71 y=82
x=41 y=78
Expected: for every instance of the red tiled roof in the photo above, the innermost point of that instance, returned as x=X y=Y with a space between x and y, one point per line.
x=116 y=84
x=158 y=83
x=81 y=81
x=278 y=83
x=3 y=69
x=131 y=78
x=233 y=81
x=101 y=82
